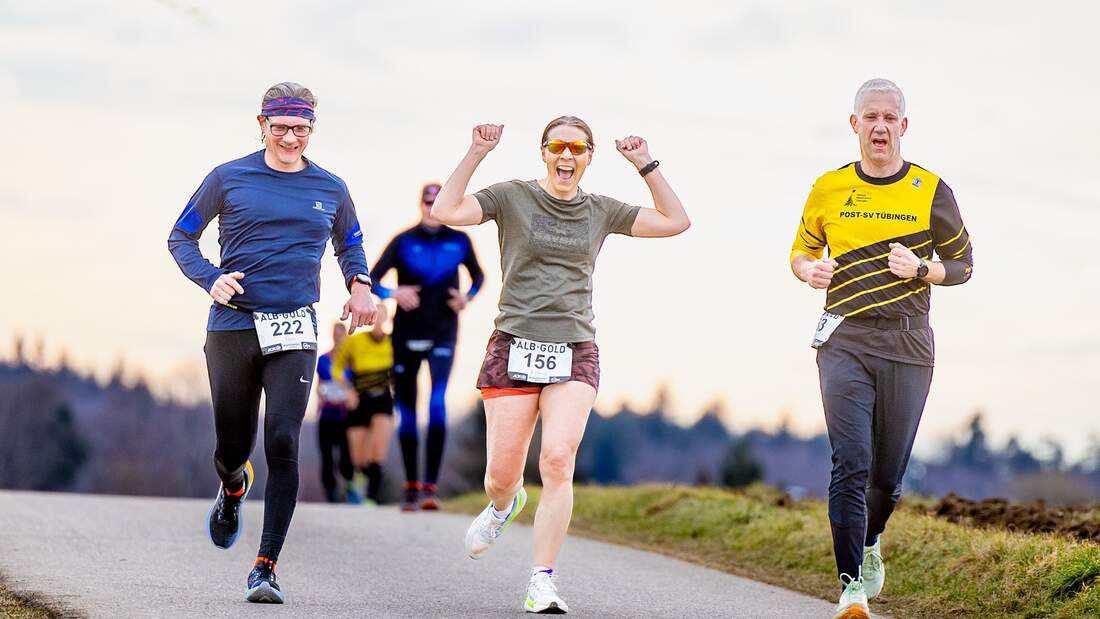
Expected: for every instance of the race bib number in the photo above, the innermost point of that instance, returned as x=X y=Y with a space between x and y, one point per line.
x=295 y=330
x=539 y=362
x=332 y=391
x=825 y=327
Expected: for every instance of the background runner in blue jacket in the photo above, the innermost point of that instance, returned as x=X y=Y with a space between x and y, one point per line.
x=427 y=258
x=276 y=212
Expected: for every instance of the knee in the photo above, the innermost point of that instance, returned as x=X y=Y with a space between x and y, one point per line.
x=885 y=488
x=556 y=463
x=282 y=443
x=437 y=411
x=499 y=479
x=407 y=424
x=851 y=464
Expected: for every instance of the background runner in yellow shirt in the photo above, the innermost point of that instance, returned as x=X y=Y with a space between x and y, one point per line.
x=370 y=424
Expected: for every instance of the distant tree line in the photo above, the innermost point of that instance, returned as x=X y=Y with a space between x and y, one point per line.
x=60 y=430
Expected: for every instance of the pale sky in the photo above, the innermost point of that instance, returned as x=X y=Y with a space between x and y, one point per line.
x=115 y=111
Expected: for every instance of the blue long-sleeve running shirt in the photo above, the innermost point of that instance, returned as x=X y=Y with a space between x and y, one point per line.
x=430 y=259
x=273 y=227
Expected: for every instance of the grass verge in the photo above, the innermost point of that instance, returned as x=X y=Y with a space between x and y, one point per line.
x=18 y=605
x=934 y=568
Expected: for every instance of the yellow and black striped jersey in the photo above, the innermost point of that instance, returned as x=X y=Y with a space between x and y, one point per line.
x=370 y=361
x=857 y=217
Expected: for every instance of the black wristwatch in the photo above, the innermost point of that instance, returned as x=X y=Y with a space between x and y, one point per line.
x=365 y=279
x=922 y=269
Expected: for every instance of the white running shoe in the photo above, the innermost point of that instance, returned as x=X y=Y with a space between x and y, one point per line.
x=542 y=596
x=853 y=602
x=486 y=528
x=874 y=570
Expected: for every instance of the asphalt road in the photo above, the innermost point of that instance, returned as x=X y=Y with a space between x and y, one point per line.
x=113 y=557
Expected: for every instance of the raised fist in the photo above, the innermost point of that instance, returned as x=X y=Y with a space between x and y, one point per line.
x=635 y=150
x=486 y=137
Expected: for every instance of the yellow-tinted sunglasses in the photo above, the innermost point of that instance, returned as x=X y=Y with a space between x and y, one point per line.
x=577 y=147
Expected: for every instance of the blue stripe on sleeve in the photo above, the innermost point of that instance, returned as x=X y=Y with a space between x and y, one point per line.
x=190 y=220
x=354 y=237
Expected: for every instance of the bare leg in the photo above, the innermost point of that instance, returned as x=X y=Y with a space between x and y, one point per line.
x=358 y=441
x=378 y=444
x=509 y=425
x=564 y=409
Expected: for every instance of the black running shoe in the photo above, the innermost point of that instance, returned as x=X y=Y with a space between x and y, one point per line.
x=262 y=587
x=224 y=518
x=411 y=502
x=428 y=499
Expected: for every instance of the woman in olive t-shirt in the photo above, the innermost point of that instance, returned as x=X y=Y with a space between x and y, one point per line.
x=542 y=360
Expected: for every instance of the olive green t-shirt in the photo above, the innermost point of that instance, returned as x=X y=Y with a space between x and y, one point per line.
x=548 y=250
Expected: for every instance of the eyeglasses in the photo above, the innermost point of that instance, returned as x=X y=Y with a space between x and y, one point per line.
x=577 y=147
x=279 y=131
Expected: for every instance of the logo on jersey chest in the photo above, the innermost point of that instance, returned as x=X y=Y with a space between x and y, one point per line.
x=857 y=198
x=857 y=207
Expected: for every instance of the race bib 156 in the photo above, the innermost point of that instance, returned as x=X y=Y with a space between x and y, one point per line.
x=539 y=362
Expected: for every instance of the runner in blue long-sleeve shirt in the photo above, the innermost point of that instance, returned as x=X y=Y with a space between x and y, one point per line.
x=276 y=212
x=426 y=257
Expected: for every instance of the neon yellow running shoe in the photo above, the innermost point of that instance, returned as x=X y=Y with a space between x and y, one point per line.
x=486 y=528
x=542 y=595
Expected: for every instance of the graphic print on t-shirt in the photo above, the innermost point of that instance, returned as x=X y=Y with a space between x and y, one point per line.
x=556 y=235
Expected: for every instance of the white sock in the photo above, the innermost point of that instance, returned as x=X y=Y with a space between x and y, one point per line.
x=499 y=515
x=542 y=568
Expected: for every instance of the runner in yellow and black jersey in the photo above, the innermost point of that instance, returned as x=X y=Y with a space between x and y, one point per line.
x=861 y=218
x=882 y=220
x=369 y=356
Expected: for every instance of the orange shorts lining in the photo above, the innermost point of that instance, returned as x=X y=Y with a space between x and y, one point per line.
x=488 y=393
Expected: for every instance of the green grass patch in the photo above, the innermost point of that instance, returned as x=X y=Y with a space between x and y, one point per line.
x=934 y=568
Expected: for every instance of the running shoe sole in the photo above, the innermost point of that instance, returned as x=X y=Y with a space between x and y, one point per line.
x=264 y=593
x=551 y=609
x=250 y=475
x=429 y=505
x=855 y=611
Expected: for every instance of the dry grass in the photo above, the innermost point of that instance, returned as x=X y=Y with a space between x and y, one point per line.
x=19 y=605
x=934 y=568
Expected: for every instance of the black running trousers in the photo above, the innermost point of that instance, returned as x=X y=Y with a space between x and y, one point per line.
x=238 y=373
x=872 y=409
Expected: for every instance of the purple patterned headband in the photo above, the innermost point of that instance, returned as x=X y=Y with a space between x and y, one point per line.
x=288 y=106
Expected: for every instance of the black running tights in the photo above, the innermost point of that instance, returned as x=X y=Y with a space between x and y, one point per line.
x=238 y=373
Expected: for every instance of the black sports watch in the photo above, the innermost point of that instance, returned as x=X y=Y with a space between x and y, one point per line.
x=365 y=279
x=922 y=269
